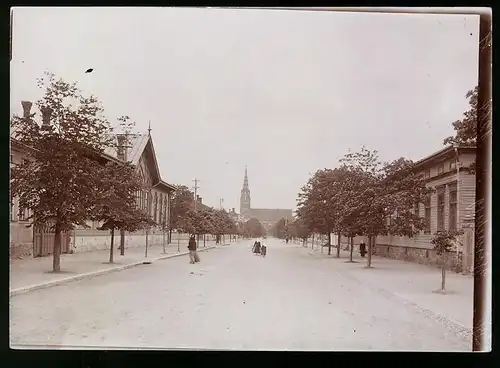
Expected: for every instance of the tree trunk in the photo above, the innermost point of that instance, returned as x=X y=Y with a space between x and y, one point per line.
x=329 y=243
x=351 y=240
x=370 y=245
x=147 y=240
x=111 y=246
x=169 y=236
x=338 y=245
x=178 y=242
x=443 y=271
x=56 y=260
x=164 y=250
x=204 y=240
x=122 y=242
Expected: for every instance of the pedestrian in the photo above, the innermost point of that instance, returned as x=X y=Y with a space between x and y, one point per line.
x=254 y=246
x=257 y=248
x=193 y=256
x=362 y=248
x=263 y=250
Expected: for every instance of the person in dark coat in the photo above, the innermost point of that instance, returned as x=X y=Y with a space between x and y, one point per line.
x=257 y=248
x=193 y=256
x=263 y=250
x=362 y=249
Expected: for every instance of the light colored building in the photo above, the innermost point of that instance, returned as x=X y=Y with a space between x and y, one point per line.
x=156 y=195
x=21 y=231
x=450 y=207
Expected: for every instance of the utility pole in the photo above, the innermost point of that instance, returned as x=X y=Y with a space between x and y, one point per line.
x=195 y=187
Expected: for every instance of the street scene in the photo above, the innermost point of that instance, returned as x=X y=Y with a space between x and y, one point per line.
x=234 y=179
x=293 y=299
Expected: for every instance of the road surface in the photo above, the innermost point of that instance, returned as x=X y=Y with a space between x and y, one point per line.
x=231 y=300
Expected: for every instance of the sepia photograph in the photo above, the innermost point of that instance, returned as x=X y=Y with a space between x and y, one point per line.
x=250 y=179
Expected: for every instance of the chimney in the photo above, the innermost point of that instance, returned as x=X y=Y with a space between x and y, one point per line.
x=26 y=108
x=46 y=115
x=198 y=199
x=122 y=147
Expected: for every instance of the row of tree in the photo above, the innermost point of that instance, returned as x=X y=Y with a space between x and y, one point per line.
x=364 y=197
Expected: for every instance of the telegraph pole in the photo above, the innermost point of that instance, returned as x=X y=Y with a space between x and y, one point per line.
x=195 y=187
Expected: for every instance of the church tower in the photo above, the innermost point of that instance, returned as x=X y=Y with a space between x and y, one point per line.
x=245 y=196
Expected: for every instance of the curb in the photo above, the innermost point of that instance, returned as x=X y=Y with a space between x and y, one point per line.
x=31 y=288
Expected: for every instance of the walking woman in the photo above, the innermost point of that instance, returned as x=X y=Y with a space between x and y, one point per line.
x=193 y=256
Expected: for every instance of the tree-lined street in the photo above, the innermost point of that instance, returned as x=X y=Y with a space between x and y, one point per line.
x=292 y=299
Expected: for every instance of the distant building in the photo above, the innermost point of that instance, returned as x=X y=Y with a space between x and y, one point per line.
x=266 y=216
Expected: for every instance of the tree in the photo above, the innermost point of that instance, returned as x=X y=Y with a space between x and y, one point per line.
x=443 y=242
x=389 y=191
x=61 y=184
x=300 y=230
x=180 y=205
x=116 y=206
x=278 y=230
x=466 y=128
x=253 y=228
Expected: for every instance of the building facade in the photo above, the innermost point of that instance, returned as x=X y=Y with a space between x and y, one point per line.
x=21 y=230
x=154 y=198
x=29 y=241
x=450 y=207
x=266 y=216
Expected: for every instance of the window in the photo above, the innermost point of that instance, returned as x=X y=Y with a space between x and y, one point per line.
x=427 y=205
x=440 y=208
x=453 y=207
x=160 y=206
x=416 y=209
x=440 y=169
x=24 y=214
x=427 y=173
x=155 y=214
x=453 y=165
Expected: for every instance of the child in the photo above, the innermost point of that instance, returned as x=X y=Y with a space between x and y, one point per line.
x=263 y=250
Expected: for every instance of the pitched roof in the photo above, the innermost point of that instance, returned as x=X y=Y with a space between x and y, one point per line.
x=441 y=154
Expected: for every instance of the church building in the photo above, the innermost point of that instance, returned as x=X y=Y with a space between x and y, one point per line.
x=267 y=216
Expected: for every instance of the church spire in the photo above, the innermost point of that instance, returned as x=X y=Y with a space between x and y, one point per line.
x=245 y=196
x=245 y=180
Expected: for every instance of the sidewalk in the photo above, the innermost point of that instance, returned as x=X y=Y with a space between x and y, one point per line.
x=413 y=284
x=31 y=274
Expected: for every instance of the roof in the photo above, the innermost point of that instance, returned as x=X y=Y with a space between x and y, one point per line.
x=442 y=154
x=269 y=214
x=136 y=146
x=166 y=186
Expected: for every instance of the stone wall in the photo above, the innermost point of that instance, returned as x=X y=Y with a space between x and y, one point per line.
x=420 y=255
x=19 y=251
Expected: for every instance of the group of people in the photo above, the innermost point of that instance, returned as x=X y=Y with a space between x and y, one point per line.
x=259 y=248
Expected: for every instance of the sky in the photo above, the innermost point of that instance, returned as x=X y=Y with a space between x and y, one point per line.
x=284 y=92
